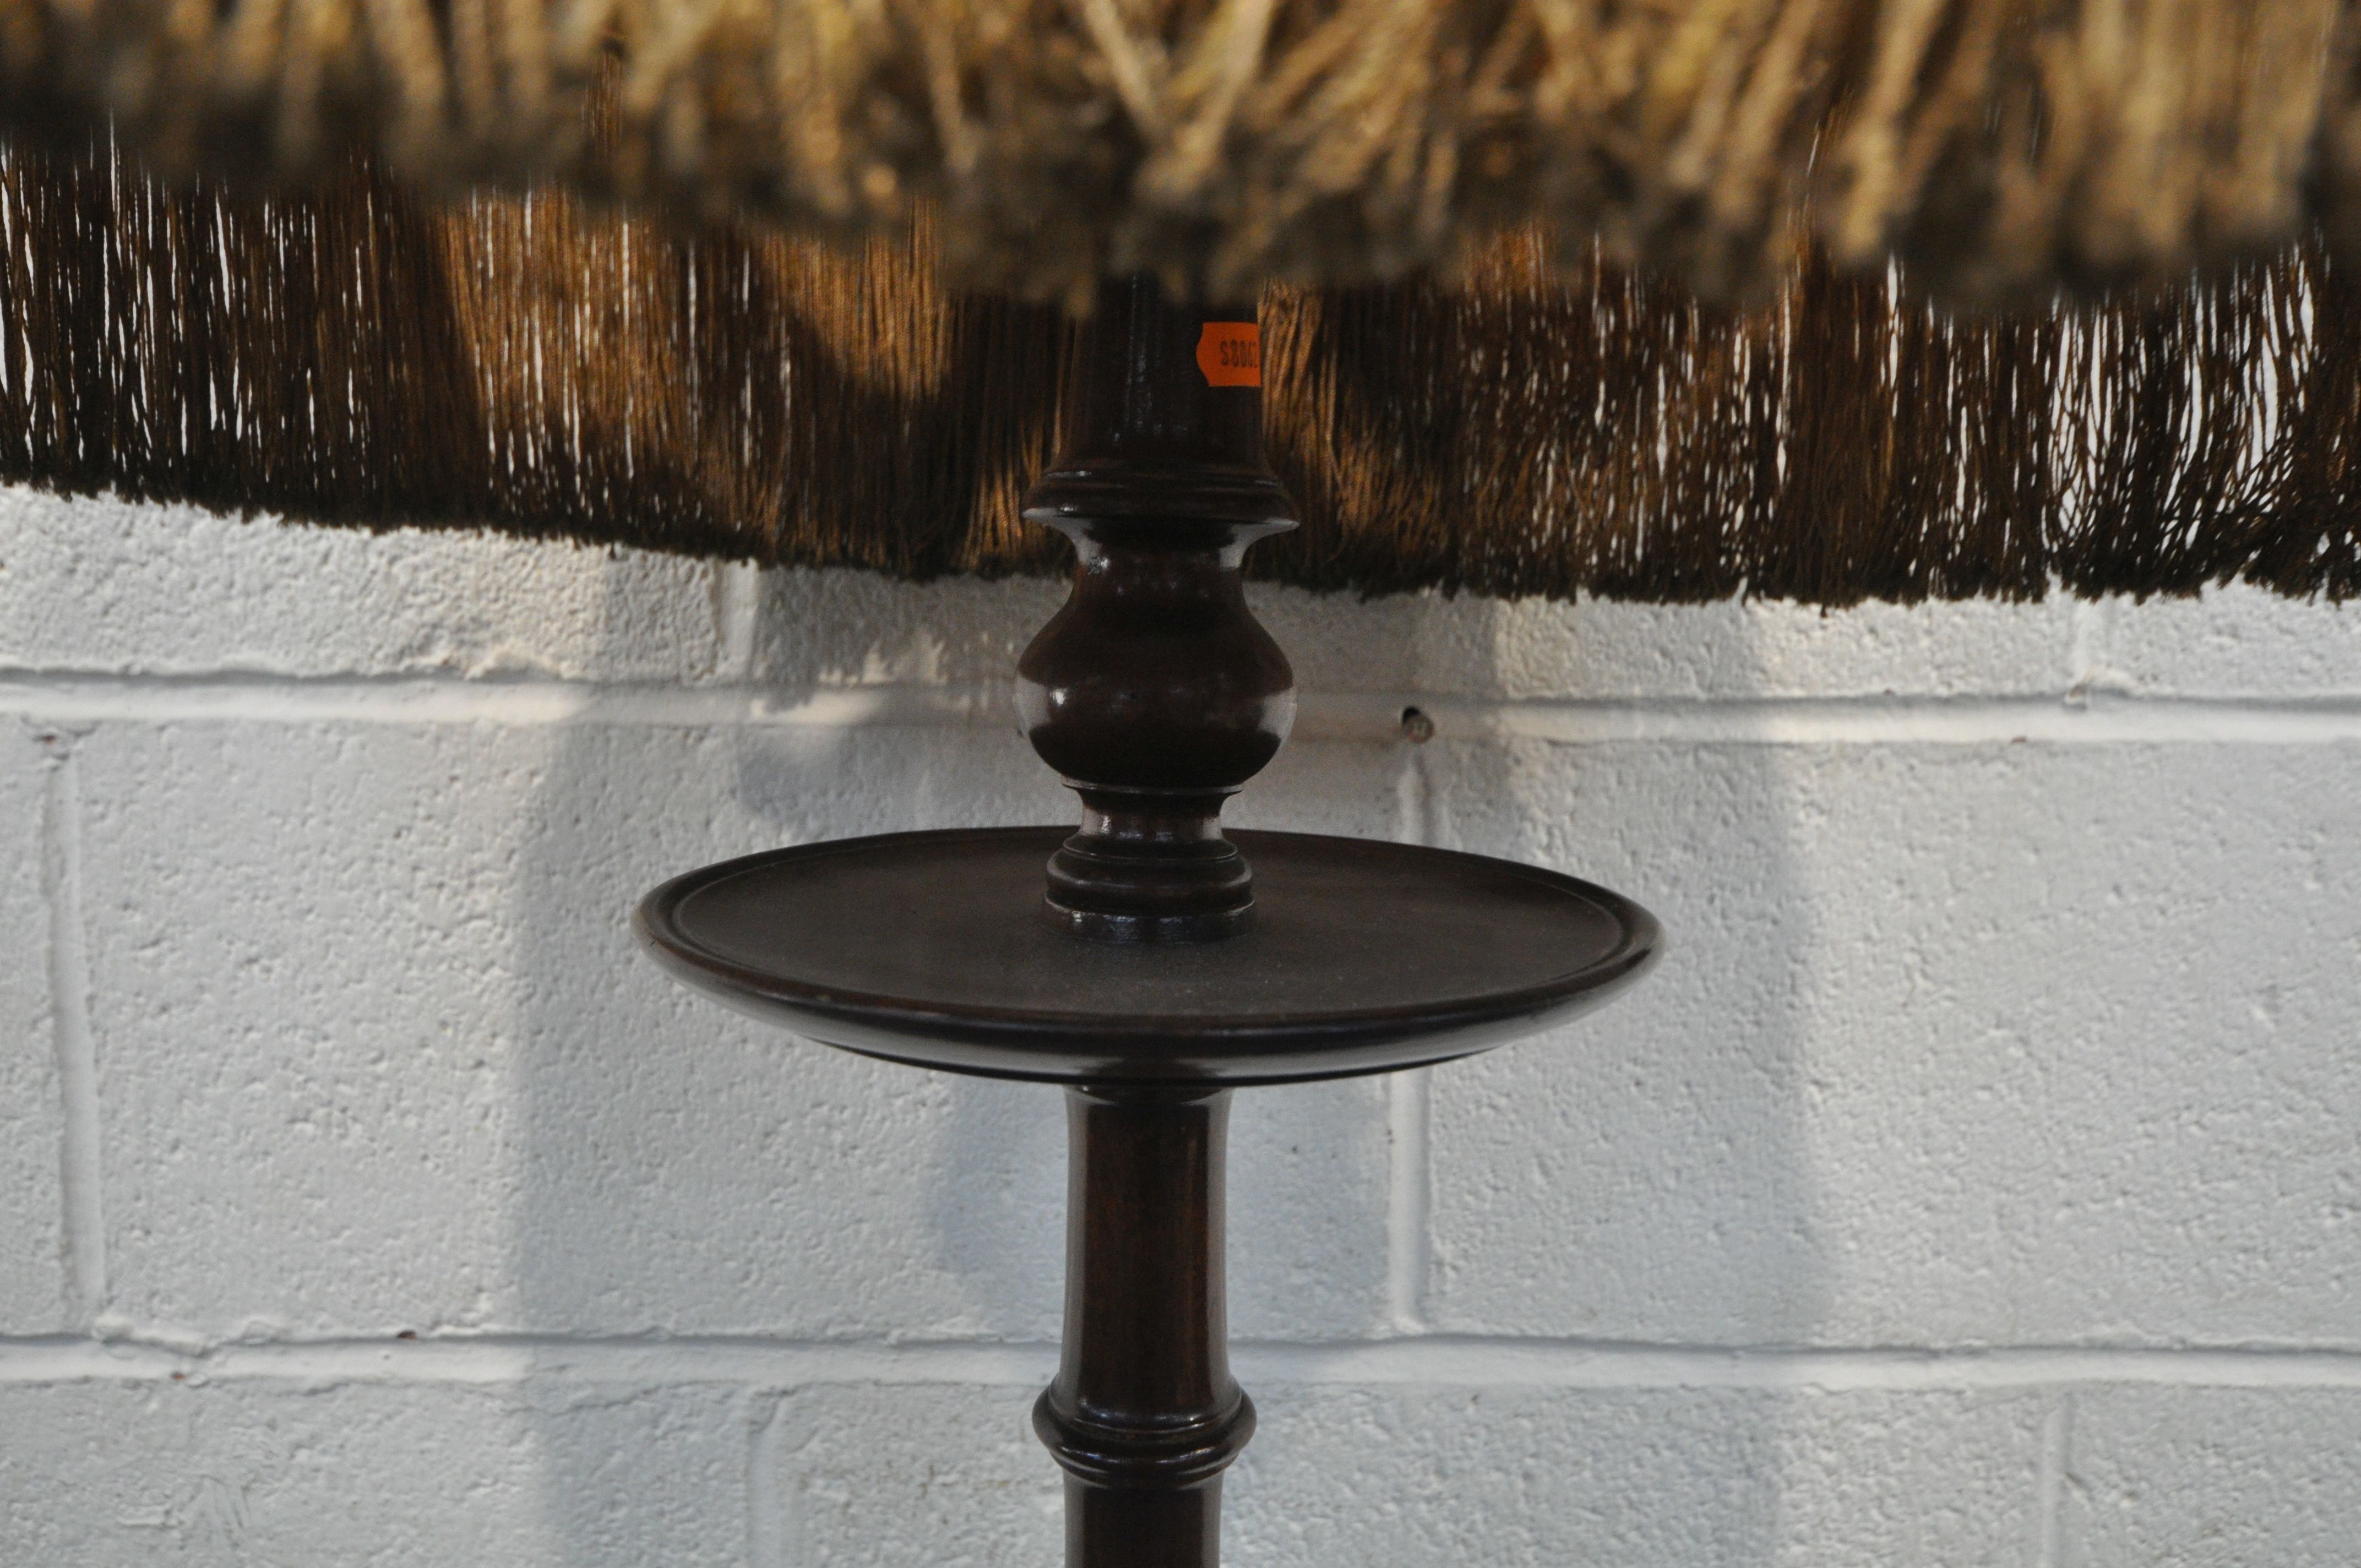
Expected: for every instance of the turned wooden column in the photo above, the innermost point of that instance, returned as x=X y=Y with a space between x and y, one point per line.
x=1154 y=692
x=1147 y=968
x=1144 y=1415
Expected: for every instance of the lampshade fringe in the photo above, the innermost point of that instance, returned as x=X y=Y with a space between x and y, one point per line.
x=1545 y=423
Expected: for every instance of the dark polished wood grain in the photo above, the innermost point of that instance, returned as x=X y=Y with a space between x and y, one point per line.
x=1144 y=1415
x=1369 y=956
x=1154 y=693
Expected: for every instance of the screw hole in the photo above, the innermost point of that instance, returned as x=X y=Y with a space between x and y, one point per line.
x=1416 y=727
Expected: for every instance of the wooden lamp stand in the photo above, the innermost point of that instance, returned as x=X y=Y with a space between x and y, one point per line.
x=1148 y=963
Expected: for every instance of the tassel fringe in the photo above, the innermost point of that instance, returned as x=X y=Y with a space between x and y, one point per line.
x=1546 y=424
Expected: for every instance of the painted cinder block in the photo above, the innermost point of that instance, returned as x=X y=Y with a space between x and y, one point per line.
x=33 y=1282
x=1965 y=1044
x=95 y=584
x=1956 y=1044
x=1593 y=650
x=2195 y=1477
x=1637 y=1478
x=379 y=1053
x=416 y=1475
x=912 y=1473
x=2235 y=641
x=844 y=629
x=1525 y=1477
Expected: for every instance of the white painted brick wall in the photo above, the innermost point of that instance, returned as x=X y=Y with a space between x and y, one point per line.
x=35 y=1278
x=1977 y=1181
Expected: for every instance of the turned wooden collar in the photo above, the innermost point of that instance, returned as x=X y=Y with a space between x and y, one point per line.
x=1154 y=693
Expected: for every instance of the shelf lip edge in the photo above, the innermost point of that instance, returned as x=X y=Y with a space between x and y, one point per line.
x=1051 y=1045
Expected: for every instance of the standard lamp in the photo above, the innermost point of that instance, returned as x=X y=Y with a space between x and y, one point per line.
x=1156 y=267
x=1148 y=963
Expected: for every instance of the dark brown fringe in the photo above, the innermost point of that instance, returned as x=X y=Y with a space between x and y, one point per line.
x=528 y=365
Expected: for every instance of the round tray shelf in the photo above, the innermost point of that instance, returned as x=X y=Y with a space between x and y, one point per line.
x=931 y=949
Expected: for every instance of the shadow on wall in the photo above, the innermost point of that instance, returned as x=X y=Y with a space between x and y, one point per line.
x=686 y=1172
x=1680 y=1164
x=1641 y=1176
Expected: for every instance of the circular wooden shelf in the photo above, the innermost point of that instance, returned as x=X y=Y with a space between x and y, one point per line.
x=932 y=948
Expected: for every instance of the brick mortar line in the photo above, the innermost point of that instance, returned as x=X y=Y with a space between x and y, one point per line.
x=1438 y=1361
x=2049 y=1483
x=737 y=599
x=769 y=1530
x=2102 y=718
x=80 y=1169
x=1409 y=1150
x=1409 y=1232
x=2099 y=717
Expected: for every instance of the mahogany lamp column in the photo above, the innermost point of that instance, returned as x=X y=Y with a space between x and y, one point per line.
x=1155 y=693
x=1142 y=962
x=1143 y=1414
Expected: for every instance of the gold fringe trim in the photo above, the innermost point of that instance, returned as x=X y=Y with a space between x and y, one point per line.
x=1998 y=148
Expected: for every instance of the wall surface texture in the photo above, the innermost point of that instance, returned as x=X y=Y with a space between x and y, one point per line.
x=1978 y=1182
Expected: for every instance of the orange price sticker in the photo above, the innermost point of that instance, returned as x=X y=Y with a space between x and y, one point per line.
x=1230 y=354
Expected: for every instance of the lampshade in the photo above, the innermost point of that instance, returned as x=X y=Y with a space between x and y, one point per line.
x=1819 y=299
